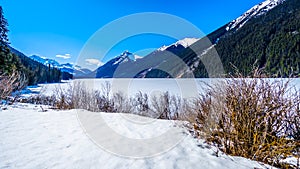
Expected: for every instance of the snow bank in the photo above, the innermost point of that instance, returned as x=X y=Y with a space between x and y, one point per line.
x=32 y=139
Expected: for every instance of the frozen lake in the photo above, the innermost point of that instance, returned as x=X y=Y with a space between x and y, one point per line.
x=185 y=88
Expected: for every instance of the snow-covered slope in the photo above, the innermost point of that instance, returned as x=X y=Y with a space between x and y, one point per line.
x=32 y=139
x=136 y=57
x=255 y=11
x=186 y=42
x=124 y=57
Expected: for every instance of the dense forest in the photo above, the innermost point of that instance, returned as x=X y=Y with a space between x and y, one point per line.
x=29 y=70
x=271 y=41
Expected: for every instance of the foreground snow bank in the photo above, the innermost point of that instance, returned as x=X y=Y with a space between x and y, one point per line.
x=31 y=138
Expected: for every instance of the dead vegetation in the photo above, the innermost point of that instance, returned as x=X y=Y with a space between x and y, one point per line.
x=10 y=83
x=252 y=117
x=78 y=96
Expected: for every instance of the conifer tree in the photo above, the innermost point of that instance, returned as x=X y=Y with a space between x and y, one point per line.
x=5 y=56
x=3 y=30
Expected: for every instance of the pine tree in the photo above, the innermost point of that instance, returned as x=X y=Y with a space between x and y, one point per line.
x=3 y=29
x=5 y=56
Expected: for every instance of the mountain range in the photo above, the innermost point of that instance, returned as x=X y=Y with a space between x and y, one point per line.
x=128 y=65
x=266 y=36
x=72 y=69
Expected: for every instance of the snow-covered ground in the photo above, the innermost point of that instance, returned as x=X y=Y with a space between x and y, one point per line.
x=31 y=138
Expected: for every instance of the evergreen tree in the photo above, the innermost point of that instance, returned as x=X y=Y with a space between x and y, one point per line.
x=3 y=30
x=6 y=58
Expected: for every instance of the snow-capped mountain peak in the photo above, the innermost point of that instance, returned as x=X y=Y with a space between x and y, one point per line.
x=257 y=10
x=186 y=42
x=124 y=57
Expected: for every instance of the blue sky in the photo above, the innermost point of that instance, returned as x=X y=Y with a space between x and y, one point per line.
x=60 y=28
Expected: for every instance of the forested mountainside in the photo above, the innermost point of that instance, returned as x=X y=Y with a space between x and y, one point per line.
x=266 y=36
x=29 y=71
x=270 y=40
x=37 y=72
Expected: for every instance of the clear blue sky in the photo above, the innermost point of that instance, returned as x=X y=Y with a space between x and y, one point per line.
x=59 y=27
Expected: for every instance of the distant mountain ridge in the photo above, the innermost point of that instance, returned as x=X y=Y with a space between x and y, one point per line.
x=129 y=65
x=75 y=70
x=45 y=61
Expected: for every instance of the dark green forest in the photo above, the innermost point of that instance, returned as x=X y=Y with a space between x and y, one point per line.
x=270 y=41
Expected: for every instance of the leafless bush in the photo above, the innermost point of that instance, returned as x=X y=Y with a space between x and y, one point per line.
x=141 y=104
x=40 y=99
x=255 y=118
x=167 y=106
x=62 y=98
x=11 y=83
x=79 y=96
x=122 y=103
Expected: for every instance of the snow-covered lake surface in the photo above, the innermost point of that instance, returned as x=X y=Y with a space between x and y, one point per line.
x=186 y=88
x=34 y=139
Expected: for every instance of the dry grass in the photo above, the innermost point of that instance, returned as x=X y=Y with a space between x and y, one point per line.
x=78 y=96
x=253 y=117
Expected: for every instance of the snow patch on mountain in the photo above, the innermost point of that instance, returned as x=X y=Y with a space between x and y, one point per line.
x=255 y=11
x=136 y=57
x=186 y=42
x=124 y=57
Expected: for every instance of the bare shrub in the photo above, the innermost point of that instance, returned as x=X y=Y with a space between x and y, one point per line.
x=167 y=106
x=250 y=117
x=161 y=105
x=78 y=96
x=40 y=99
x=141 y=104
x=63 y=99
x=10 y=83
x=122 y=103
x=81 y=97
x=103 y=98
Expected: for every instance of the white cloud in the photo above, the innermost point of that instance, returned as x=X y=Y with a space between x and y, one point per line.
x=65 y=56
x=94 y=62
